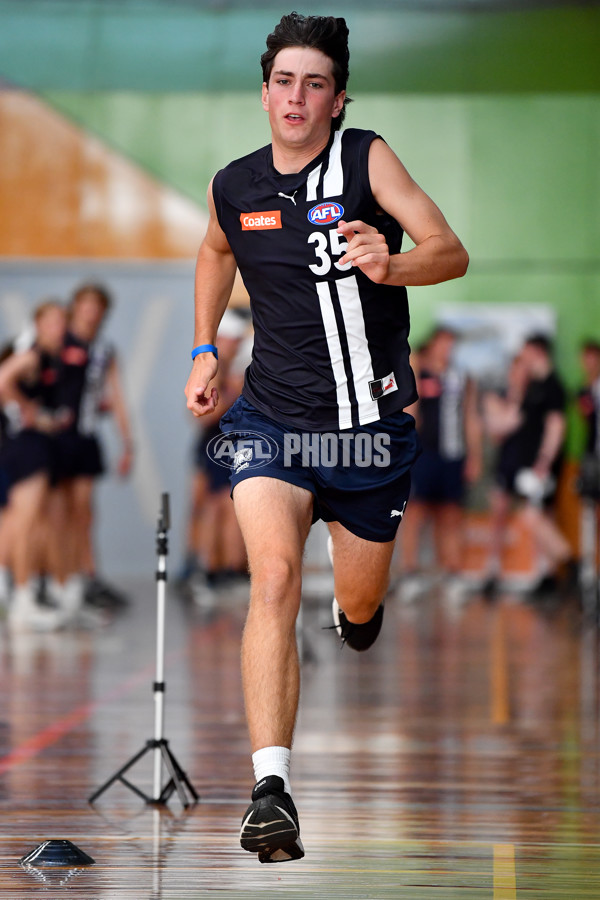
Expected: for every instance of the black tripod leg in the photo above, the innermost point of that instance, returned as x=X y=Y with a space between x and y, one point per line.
x=117 y=776
x=183 y=777
x=179 y=779
x=173 y=769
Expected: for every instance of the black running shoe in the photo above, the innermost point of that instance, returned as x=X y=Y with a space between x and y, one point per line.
x=270 y=824
x=359 y=637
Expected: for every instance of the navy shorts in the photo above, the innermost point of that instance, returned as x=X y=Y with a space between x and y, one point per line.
x=358 y=477
x=27 y=453
x=76 y=455
x=4 y=486
x=438 y=480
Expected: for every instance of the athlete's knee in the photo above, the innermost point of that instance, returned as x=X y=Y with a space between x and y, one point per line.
x=275 y=583
x=360 y=605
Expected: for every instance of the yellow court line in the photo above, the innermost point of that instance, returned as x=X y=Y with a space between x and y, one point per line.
x=505 y=876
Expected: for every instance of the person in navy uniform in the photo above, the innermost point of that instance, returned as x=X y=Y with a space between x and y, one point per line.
x=29 y=382
x=588 y=396
x=450 y=432
x=314 y=221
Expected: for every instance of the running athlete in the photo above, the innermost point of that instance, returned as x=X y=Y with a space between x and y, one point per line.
x=314 y=222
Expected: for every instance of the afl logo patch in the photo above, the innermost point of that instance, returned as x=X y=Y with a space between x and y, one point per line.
x=325 y=213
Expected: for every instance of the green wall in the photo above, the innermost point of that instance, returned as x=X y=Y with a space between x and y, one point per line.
x=187 y=45
x=518 y=177
x=496 y=113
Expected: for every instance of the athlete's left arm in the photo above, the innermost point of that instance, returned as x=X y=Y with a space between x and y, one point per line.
x=118 y=408
x=437 y=256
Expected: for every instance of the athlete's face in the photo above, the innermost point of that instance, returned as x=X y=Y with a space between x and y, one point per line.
x=87 y=315
x=300 y=97
x=590 y=362
x=50 y=329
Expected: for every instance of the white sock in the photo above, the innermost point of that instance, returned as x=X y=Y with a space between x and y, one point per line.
x=273 y=761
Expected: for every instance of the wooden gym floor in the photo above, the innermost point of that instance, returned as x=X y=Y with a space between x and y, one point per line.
x=459 y=758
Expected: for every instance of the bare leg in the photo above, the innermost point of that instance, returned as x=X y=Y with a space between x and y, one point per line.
x=28 y=506
x=449 y=536
x=411 y=533
x=275 y=518
x=234 y=551
x=198 y=491
x=211 y=549
x=58 y=535
x=549 y=540
x=499 y=509
x=361 y=573
x=27 y=500
x=82 y=494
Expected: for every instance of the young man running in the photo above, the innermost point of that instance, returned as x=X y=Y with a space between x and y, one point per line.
x=314 y=221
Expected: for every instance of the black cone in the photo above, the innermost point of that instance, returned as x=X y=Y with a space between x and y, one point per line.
x=57 y=853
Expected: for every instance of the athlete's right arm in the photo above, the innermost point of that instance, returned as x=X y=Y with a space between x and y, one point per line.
x=215 y=273
x=17 y=368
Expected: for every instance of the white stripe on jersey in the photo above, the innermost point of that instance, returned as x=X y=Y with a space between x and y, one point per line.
x=333 y=182
x=312 y=183
x=358 y=348
x=335 y=354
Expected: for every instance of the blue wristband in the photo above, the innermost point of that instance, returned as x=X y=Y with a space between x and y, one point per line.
x=205 y=348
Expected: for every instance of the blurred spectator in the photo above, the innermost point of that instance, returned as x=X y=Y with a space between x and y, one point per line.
x=589 y=475
x=589 y=396
x=532 y=422
x=449 y=428
x=90 y=384
x=502 y=417
x=215 y=551
x=28 y=383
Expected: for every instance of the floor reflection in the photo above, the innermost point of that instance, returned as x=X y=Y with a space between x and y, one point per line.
x=461 y=752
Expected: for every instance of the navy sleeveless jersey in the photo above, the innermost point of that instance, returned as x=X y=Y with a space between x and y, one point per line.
x=84 y=369
x=330 y=346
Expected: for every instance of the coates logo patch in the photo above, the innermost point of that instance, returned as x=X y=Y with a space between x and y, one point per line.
x=261 y=221
x=325 y=213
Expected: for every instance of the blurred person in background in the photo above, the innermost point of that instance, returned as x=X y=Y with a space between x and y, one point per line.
x=28 y=392
x=502 y=418
x=215 y=549
x=5 y=580
x=588 y=396
x=531 y=459
x=90 y=384
x=449 y=428
x=588 y=482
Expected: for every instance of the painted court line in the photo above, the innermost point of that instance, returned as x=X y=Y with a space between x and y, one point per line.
x=61 y=726
x=505 y=877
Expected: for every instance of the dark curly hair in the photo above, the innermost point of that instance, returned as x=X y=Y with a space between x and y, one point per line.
x=325 y=33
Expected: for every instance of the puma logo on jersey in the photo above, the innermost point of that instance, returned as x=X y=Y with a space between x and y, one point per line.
x=398 y=512
x=325 y=213
x=291 y=197
x=261 y=221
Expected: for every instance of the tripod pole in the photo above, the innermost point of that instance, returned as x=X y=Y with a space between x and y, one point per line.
x=159 y=683
x=178 y=780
